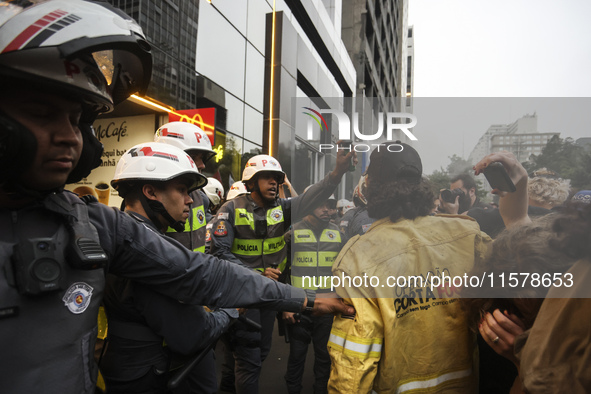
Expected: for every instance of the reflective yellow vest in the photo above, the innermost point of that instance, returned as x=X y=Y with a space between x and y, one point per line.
x=311 y=265
x=193 y=237
x=256 y=252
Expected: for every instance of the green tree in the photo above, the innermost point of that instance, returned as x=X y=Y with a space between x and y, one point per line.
x=458 y=166
x=439 y=180
x=567 y=159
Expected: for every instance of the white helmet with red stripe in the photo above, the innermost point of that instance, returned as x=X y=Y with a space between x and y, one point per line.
x=153 y=161
x=236 y=190
x=185 y=136
x=345 y=205
x=260 y=163
x=214 y=190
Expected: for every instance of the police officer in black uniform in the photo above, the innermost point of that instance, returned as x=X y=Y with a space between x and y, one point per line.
x=55 y=248
x=141 y=320
x=195 y=142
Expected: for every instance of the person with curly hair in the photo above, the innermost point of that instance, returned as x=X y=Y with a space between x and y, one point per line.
x=546 y=189
x=545 y=332
x=499 y=320
x=404 y=336
x=548 y=246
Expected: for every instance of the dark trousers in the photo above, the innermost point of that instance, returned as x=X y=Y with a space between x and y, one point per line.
x=249 y=348
x=315 y=329
x=202 y=379
x=497 y=374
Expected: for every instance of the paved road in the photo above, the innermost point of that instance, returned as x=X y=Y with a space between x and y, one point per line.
x=275 y=366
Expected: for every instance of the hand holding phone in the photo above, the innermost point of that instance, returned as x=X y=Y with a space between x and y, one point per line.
x=498 y=178
x=347 y=145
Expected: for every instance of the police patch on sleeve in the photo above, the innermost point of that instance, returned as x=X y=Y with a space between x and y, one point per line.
x=277 y=214
x=221 y=230
x=77 y=297
x=200 y=217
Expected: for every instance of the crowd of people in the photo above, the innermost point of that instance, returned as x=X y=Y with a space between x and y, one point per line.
x=183 y=265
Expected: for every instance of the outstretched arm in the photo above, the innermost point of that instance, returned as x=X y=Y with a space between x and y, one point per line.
x=318 y=193
x=512 y=206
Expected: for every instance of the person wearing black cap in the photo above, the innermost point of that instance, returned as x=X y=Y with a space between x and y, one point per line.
x=406 y=334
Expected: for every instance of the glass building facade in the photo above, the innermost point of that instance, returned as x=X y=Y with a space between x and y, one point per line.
x=251 y=61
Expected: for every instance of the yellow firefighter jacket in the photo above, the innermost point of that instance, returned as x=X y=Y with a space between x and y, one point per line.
x=405 y=336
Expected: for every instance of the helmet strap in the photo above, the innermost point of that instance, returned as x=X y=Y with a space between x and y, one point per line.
x=154 y=208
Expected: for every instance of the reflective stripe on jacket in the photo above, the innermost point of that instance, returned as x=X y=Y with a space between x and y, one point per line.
x=313 y=258
x=408 y=338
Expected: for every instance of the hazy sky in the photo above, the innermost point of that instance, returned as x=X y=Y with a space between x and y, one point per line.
x=502 y=48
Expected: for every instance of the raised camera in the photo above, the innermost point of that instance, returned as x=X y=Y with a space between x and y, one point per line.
x=450 y=195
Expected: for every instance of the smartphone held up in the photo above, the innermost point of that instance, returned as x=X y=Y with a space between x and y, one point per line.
x=498 y=178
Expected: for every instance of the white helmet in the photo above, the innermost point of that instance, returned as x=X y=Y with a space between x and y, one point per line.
x=214 y=190
x=185 y=136
x=260 y=163
x=153 y=161
x=345 y=205
x=236 y=190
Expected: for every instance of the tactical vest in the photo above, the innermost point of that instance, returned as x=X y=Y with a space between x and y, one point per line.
x=47 y=340
x=313 y=258
x=254 y=251
x=193 y=237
